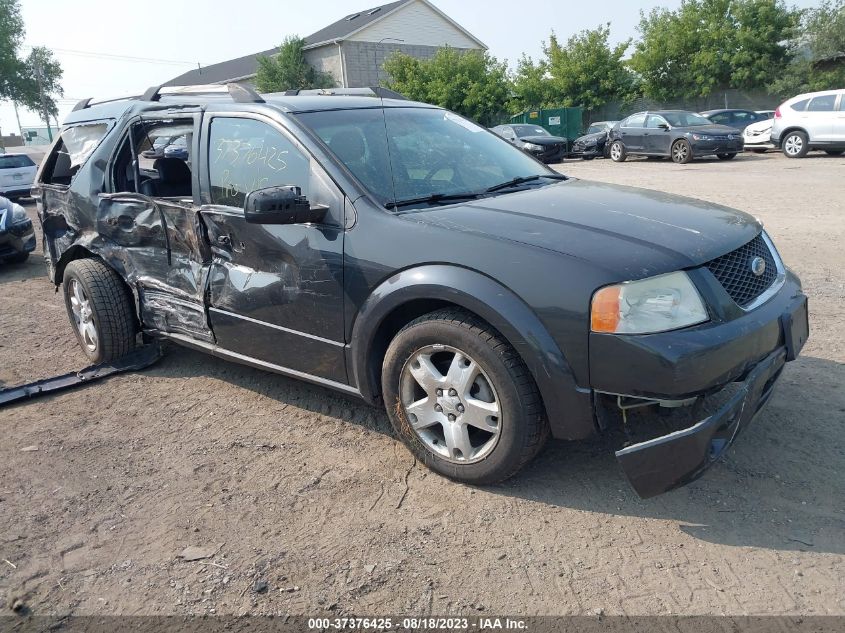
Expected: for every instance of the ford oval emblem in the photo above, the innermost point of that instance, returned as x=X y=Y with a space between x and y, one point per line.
x=758 y=266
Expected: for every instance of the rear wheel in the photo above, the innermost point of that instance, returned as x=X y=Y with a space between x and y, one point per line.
x=617 y=152
x=681 y=152
x=795 y=145
x=461 y=398
x=726 y=156
x=100 y=310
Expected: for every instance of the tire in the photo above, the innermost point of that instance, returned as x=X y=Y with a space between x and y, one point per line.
x=758 y=150
x=834 y=152
x=618 y=154
x=100 y=310
x=795 y=145
x=681 y=152
x=494 y=447
x=17 y=258
x=605 y=152
x=588 y=157
x=726 y=156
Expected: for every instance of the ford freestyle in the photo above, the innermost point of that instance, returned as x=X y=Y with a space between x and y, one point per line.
x=398 y=252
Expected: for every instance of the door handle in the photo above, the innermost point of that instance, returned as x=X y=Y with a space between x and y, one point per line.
x=224 y=240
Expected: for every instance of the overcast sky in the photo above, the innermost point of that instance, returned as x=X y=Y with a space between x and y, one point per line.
x=186 y=32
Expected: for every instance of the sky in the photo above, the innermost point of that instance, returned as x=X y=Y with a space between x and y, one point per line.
x=110 y=48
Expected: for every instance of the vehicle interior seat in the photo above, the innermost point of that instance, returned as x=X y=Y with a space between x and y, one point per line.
x=174 y=179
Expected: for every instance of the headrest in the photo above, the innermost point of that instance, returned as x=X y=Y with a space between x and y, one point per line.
x=173 y=170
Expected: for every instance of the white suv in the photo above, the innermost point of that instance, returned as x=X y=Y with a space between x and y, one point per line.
x=815 y=120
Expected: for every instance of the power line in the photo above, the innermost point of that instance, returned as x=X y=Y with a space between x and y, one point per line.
x=125 y=58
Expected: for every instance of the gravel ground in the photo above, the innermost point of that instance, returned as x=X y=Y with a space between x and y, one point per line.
x=303 y=494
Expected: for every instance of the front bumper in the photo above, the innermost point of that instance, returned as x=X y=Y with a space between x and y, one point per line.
x=17 y=239
x=700 y=148
x=549 y=154
x=16 y=190
x=746 y=352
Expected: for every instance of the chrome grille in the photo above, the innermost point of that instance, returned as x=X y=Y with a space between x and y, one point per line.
x=734 y=271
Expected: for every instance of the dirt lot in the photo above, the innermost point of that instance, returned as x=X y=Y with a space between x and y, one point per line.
x=307 y=490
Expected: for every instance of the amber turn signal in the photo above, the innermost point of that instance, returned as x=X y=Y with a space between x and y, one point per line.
x=605 y=311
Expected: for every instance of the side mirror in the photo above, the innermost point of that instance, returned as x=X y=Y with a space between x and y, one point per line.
x=281 y=205
x=663 y=126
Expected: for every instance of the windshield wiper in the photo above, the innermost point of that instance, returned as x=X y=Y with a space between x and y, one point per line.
x=523 y=179
x=434 y=198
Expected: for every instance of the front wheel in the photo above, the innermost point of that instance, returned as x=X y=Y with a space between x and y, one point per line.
x=726 y=156
x=100 y=310
x=795 y=145
x=681 y=152
x=462 y=399
x=618 y=154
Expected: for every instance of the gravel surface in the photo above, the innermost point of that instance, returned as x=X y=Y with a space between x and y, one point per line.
x=199 y=486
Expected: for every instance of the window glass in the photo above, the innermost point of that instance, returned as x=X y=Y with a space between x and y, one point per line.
x=654 y=121
x=745 y=117
x=13 y=162
x=530 y=130
x=720 y=119
x=81 y=141
x=431 y=151
x=245 y=155
x=637 y=120
x=824 y=103
x=800 y=106
x=842 y=102
x=686 y=119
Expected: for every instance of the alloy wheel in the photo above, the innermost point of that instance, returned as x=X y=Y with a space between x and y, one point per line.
x=615 y=151
x=450 y=403
x=680 y=151
x=793 y=144
x=83 y=316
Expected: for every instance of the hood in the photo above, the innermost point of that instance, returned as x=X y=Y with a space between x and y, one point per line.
x=760 y=126
x=543 y=140
x=709 y=129
x=633 y=233
x=595 y=136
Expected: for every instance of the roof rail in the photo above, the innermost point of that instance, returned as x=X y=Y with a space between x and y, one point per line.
x=372 y=91
x=81 y=105
x=238 y=92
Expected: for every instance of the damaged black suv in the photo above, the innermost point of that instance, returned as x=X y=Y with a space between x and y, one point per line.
x=401 y=253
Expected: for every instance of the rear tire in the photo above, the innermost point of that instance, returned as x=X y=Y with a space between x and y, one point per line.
x=795 y=145
x=618 y=154
x=461 y=398
x=726 y=156
x=100 y=310
x=681 y=152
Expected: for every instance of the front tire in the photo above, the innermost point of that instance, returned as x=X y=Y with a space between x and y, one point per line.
x=795 y=145
x=618 y=154
x=100 y=310
x=726 y=156
x=462 y=399
x=681 y=152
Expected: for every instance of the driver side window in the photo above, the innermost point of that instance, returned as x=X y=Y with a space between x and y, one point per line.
x=655 y=121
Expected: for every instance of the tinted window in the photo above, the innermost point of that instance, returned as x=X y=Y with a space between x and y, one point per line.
x=745 y=117
x=431 y=151
x=12 y=162
x=245 y=155
x=530 y=130
x=799 y=106
x=655 y=121
x=686 y=119
x=595 y=128
x=824 y=103
x=637 y=120
x=722 y=119
x=842 y=102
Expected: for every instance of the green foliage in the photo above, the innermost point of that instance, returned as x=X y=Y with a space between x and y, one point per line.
x=710 y=45
x=11 y=36
x=472 y=83
x=289 y=70
x=820 y=36
x=588 y=71
x=532 y=85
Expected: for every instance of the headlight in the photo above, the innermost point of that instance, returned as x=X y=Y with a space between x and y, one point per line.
x=656 y=304
x=18 y=214
x=533 y=147
x=702 y=137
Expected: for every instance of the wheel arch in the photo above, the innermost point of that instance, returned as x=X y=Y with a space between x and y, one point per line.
x=413 y=292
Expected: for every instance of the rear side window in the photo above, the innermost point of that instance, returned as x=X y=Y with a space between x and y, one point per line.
x=245 y=155
x=75 y=146
x=14 y=162
x=824 y=103
x=842 y=102
x=800 y=106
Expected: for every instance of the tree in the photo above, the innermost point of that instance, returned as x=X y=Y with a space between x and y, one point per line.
x=532 y=84
x=711 y=45
x=288 y=70
x=588 y=71
x=11 y=36
x=473 y=83
x=820 y=36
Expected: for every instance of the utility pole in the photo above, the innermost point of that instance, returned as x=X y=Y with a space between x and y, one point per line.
x=18 y=117
x=44 y=109
x=375 y=55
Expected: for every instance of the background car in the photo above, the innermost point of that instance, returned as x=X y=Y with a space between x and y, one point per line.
x=594 y=142
x=17 y=171
x=735 y=118
x=17 y=236
x=535 y=140
x=177 y=149
x=757 y=136
x=677 y=134
x=815 y=120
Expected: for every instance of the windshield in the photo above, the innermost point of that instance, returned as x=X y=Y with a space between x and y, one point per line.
x=685 y=119
x=598 y=127
x=529 y=130
x=431 y=152
x=12 y=161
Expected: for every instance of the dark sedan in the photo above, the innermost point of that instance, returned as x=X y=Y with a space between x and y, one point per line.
x=594 y=142
x=739 y=119
x=676 y=134
x=535 y=140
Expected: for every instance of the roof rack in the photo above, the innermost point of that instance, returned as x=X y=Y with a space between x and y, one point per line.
x=238 y=92
x=372 y=91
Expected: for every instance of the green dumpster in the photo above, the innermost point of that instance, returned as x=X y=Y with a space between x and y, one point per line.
x=565 y=122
